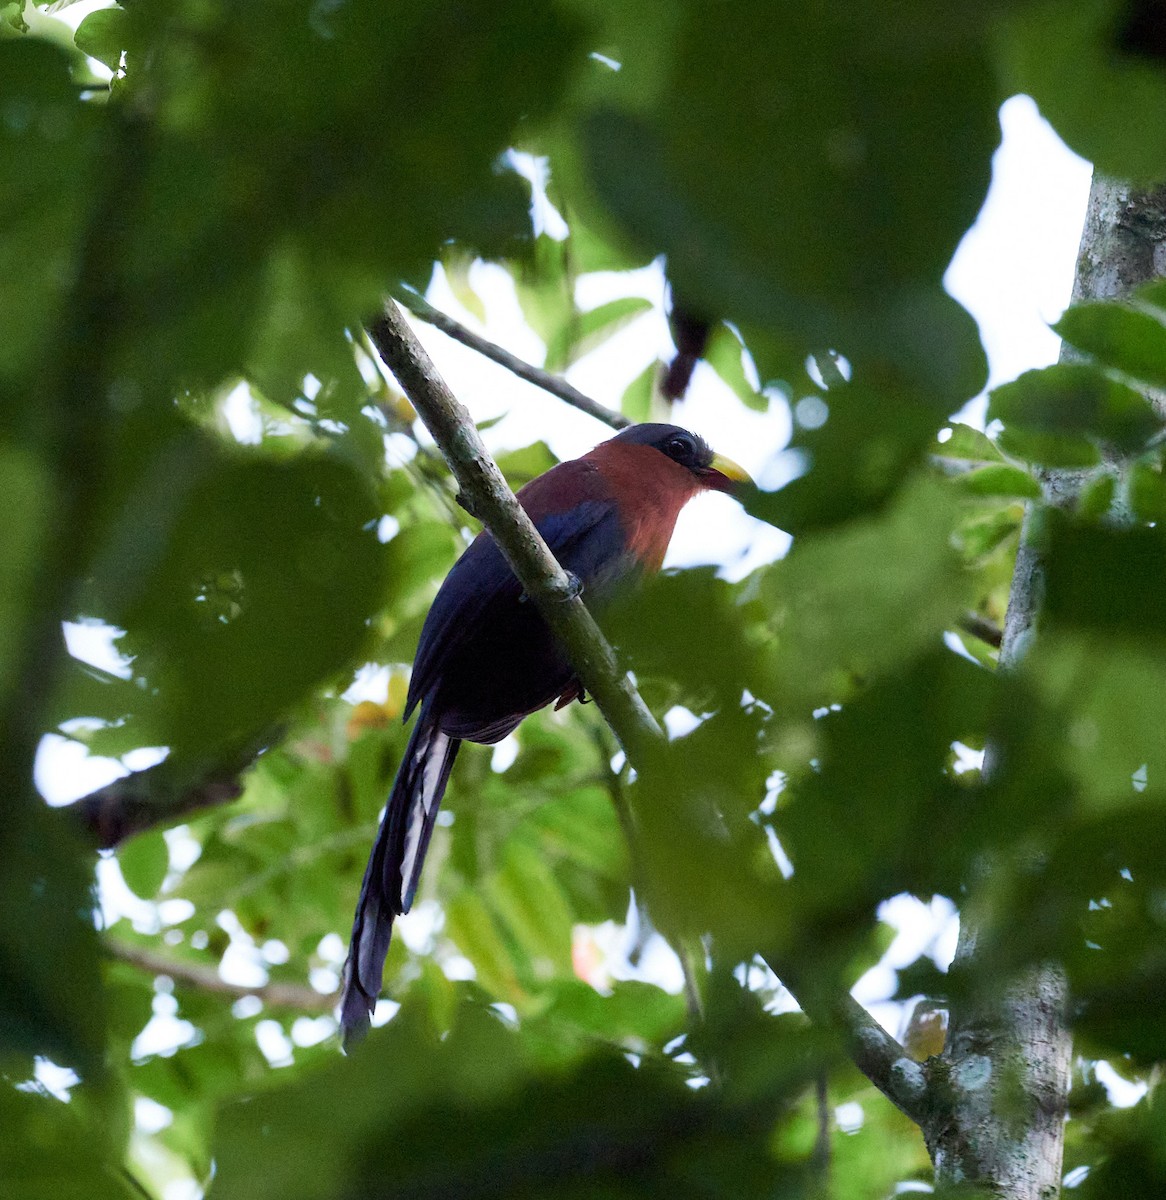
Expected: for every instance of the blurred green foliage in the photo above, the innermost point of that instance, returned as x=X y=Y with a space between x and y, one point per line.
x=193 y=465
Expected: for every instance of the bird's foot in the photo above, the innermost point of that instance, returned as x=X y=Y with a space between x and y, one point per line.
x=573 y=588
x=567 y=591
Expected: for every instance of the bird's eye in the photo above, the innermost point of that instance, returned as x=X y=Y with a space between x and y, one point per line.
x=679 y=446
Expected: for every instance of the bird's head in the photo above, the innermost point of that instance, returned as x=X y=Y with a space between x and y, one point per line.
x=713 y=471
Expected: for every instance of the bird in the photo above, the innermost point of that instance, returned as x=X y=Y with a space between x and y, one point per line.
x=486 y=658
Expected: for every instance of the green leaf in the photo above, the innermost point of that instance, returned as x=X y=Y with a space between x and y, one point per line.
x=858 y=455
x=1130 y=339
x=1147 y=493
x=1112 y=722
x=50 y=1150
x=144 y=861
x=527 y=897
x=1108 y=580
x=104 y=35
x=848 y=856
x=470 y=924
x=1097 y=496
x=636 y=1014
x=51 y=998
x=725 y=354
x=546 y=288
x=24 y=513
x=1000 y=479
x=1067 y=55
x=967 y=444
x=1075 y=400
x=1047 y=449
x=474 y=1116
x=870 y=595
x=457 y=266
x=242 y=582
x=521 y=466
x=636 y=402
x=752 y=172
x=581 y=333
x=47 y=146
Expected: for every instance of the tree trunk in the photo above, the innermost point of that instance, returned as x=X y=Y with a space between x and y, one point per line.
x=1006 y=1066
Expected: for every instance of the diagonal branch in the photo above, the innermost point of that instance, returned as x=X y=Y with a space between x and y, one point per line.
x=491 y=500
x=207 y=979
x=549 y=382
x=980 y=627
x=880 y=1057
x=886 y=1063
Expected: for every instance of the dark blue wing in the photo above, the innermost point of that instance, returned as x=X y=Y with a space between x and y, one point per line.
x=587 y=539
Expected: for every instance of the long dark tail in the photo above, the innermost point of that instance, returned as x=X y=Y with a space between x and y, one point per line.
x=394 y=868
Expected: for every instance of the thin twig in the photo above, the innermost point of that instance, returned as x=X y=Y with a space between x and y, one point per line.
x=207 y=979
x=549 y=382
x=878 y=1055
x=980 y=627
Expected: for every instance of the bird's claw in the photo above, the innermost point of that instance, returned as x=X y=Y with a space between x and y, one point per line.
x=574 y=586
x=568 y=591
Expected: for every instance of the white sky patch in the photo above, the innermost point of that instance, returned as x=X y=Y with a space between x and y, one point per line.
x=331 y=949
x=165 y=1033
x=311 y=1031
x=504 y=754
x=419 y=927
x=175 y=911
x=141 y=758
x=150 y=1116
x=64 y=770
x=967 y=759
x=91 y=641
x=275 y=952
x=921 y=928
x=1014 y=268
x=545 y=217
x=246 y=1007
x=1123 y=1093
x=657 y=963
x=184 y=847
x=118 y=902
x=54 y=1079
x=242 y=962
x=849 y=1116
x=955 y=643
x=240 y=411
x=1077 y=1176
x=370 y=683
x=387 y=528
x=680 y=721
x=784 y=864
x=273 y=1043
x=386 y=1010
x=324 y=980
x=458 y=968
